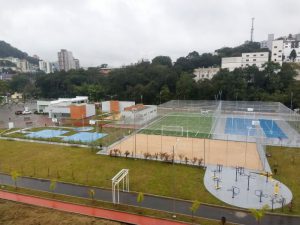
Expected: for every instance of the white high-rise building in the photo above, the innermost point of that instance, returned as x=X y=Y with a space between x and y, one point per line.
x=66 y=60
x=267 y=43
x=47 y=67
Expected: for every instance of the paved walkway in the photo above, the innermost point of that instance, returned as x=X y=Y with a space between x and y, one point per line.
x=152 y=202
x=85 y=210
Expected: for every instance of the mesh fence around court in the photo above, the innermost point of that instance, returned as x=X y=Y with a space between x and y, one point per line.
x=181 y=124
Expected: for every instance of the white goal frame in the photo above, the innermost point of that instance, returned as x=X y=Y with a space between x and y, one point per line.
x=122 y=175
x=165 y=126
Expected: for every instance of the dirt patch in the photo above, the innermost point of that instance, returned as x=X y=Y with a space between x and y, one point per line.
x=228 y=153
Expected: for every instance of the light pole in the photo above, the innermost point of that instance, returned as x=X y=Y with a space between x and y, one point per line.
x=248 y=129
x=134 y=127
x=174 y=176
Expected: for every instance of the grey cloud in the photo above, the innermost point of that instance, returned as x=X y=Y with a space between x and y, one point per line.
x=119 y=32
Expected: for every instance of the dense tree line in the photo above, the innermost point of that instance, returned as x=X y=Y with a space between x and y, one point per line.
x=161 y=80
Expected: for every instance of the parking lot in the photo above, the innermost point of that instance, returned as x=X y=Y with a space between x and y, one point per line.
x=7 y=114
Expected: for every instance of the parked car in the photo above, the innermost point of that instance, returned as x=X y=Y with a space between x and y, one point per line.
x=19 y=112
x=26 y=112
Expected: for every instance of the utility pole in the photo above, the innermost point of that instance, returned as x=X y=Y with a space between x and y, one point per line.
x=252 y=29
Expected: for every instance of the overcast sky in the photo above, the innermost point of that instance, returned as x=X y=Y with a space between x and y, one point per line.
x=120 y=32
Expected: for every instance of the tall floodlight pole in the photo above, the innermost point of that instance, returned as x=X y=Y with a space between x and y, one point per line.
x=174 y=176
x=134 y=127
x=252 y=29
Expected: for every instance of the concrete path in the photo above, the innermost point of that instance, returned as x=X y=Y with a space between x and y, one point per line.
x=88 y=211
x=152 y=202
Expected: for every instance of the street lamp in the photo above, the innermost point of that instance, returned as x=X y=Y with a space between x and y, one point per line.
x=134 y=127
x=248 y=129
x=174 y=177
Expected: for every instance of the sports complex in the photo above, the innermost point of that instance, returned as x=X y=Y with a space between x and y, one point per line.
x=228 y=139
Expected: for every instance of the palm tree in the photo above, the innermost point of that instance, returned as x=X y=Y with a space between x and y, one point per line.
x=52 y=186
x=258 y=214
x=91 y=193
x=14 y=176
x=140 y=198
x=195 y=206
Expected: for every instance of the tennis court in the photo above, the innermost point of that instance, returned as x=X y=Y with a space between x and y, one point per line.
x=182 y=125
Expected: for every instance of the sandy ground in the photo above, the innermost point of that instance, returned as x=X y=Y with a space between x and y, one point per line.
x=12 y=213
x=228 y=153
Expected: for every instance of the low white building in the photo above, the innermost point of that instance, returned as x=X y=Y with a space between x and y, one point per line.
x=205 y=73
x=257 y=59
x=139 y=114
x=115 y=105
x=74 y=108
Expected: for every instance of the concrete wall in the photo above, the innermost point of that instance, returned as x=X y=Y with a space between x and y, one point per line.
x=90 y=110
x=231 y=63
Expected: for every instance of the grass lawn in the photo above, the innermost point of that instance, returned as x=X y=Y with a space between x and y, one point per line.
x=193 y=125
x=82 y=166
x=286 y=160
x=19 y=214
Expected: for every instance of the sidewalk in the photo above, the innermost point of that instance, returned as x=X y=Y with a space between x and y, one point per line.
x=88 y=211
x=151 y=202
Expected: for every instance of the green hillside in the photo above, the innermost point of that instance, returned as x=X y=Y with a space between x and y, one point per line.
x=7 y=50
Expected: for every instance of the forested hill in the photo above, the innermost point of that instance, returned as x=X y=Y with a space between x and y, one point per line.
x=6 y=50
x=238 y=50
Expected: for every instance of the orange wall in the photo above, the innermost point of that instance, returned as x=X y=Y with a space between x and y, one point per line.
x=114 y=106
x=78 y=111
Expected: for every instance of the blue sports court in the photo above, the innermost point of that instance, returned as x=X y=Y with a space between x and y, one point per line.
x=241 y=126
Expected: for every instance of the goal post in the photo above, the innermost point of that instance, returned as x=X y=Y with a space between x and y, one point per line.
x=172 y=130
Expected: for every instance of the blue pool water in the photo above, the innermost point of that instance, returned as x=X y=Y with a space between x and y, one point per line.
x=241 y=126
x=84 y=137
x=46 y=133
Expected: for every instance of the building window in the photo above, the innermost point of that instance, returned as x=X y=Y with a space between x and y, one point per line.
x=247 y=60
x=274 y=54
x=254 y=59
x=261 y=54
x=247 y=55
x=279 y=51
x=254 y=64
x=247 y=64
x=275 y=46
x=275 y=60
x=254 y=55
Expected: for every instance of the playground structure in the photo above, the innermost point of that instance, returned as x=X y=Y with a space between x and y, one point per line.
x=246 y=188
x=121 y=176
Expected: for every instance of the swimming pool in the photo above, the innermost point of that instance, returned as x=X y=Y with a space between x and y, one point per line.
x=84 y=137
x=46 y=133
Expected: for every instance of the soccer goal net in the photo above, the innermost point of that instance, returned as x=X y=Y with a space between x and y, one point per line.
x=172 y=130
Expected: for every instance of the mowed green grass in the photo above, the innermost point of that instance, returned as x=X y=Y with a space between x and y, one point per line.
x=286 y=160
x=193 y=125
x=81 y=165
